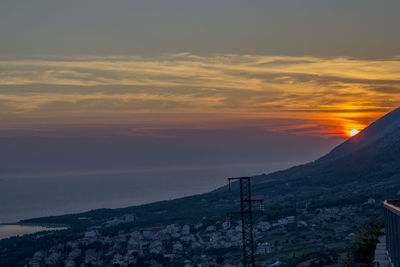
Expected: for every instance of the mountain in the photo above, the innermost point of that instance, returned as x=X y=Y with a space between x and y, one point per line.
x=386 y=125
x=367 y=165
x=331 y=198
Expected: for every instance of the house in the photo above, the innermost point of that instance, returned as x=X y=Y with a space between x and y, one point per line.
x=275 y=264
x=177 y=247
x=264 y=248
x=91 y=234
x=186 y=230
x=211 y=228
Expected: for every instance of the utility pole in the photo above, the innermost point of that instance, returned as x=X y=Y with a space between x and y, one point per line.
x=246 y=213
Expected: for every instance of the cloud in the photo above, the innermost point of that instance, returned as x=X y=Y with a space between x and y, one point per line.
x=171 y=89
x=387 y=89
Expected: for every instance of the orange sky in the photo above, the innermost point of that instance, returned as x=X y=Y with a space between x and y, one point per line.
x=301 y=95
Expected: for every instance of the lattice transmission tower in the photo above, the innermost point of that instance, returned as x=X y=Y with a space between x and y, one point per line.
x=246 y=213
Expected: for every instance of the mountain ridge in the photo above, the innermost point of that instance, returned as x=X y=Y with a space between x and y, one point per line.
x=334 y=199
x=370 y=170
x=376 y=130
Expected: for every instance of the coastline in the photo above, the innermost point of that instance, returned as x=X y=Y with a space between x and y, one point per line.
x=45 y=225
x=18 y=229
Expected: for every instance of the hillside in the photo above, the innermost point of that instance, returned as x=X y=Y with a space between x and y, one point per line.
x=312 y=211
x=387 y=124
x=369 y=167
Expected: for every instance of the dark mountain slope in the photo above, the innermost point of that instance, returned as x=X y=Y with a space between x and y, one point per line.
x=343 y=180
x=378 y=129
x=372 y=170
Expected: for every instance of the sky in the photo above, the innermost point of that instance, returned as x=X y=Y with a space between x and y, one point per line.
x=106 y=68
x=114 y=103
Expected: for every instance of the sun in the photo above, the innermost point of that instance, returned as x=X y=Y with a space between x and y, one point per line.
x=354 y=132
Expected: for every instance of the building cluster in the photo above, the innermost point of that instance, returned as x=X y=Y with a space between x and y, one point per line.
x=202 y=244
x=172 y=245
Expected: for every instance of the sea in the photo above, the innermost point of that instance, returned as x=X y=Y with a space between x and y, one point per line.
x=32 y=195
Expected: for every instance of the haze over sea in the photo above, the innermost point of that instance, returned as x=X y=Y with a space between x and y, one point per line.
x=66 y=175
x=33 y=196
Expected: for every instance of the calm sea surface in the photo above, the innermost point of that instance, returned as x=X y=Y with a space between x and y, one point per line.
x=42 y=194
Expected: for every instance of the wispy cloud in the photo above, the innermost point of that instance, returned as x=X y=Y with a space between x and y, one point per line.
x=324 y=96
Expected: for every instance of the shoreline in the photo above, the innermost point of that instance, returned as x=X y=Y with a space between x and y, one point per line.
x=46 y=225
x=19 y=230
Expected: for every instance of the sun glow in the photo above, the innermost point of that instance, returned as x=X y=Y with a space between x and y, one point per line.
x=190 y=91
x=354 y=132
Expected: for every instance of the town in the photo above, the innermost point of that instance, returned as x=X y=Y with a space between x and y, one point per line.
x=277 y=243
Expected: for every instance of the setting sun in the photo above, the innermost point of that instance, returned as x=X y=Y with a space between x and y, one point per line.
x=354 y=132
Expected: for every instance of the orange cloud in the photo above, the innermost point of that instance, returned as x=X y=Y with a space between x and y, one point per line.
x=309 y=95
